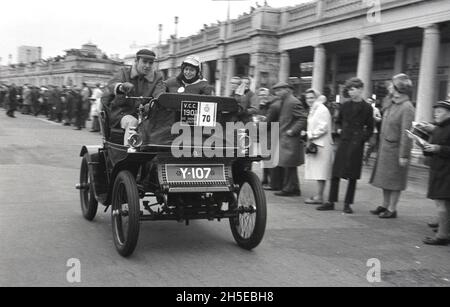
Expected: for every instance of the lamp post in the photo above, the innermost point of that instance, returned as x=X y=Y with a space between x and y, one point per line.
x=229 y=6
x=160 y=28
x=176 y=26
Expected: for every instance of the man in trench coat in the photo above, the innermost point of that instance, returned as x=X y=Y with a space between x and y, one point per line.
x=357 y=123
x=293 y=120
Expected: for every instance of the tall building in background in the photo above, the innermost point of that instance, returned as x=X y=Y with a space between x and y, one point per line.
x=29 y=54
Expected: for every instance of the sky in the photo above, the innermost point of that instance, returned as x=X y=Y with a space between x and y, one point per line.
x=110 y=24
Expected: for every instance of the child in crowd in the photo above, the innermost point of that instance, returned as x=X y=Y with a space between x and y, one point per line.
x=438 y=149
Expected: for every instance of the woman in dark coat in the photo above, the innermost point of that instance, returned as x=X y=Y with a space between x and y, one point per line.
x=391 y=169
x=190 y=80
x=439 y=182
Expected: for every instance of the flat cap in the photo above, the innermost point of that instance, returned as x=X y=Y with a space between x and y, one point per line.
x=146 y=54
x=442 y=104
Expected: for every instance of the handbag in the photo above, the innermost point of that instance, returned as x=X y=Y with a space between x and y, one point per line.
x=312 y=148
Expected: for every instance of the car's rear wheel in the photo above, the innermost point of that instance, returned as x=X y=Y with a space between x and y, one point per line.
x=125 y=213
x=249 y=225
x=87 y=198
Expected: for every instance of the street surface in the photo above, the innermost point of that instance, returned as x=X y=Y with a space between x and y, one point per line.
x=42 y=228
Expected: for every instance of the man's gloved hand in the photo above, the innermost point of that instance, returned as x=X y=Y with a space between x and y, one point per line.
x=148 y=107
x=126 y=87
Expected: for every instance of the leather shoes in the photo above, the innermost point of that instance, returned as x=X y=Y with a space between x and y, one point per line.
x=348 y=209
x=268 y=188
x=435 y=241
x=378 y=210
x=433 y=225
x=388 y=215
x=283 y=193
x=326 y=207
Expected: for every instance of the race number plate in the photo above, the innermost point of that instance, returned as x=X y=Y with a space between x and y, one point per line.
x=195 y=172
x=194 y=113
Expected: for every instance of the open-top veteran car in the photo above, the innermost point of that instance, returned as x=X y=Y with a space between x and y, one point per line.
x=165 y=174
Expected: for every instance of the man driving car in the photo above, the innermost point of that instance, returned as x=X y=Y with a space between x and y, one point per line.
x=140 y=80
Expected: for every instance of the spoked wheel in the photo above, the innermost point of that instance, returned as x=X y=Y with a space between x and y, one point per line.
x=249 y=226
x=125 y=213
x=88 y=202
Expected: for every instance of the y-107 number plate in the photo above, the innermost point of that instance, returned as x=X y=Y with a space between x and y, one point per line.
x=195 y=172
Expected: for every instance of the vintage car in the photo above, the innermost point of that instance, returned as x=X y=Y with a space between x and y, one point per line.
x=149 y=180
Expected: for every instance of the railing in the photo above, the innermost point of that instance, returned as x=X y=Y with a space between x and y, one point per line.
x=56 y=66
x=213 y=34
x=337 y=7
x=241 y=25
x=197 y=40
x=164 y=50
x=184 y=44
x=305 y=13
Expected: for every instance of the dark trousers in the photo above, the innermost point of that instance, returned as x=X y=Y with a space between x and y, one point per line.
x=276 y=178
x=95 y=124
x=291 y=183
x=334 y=191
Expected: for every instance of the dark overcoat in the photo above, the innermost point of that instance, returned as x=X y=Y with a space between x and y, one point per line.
x=439 y=180
x=293 y=116
x=356 y=121
x=12 y=98
x=150 y=85
x=200 y=87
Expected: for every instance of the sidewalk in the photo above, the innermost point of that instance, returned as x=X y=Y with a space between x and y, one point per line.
x=349 y=241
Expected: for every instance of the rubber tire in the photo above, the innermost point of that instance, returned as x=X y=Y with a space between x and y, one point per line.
x=126 y=179
x=261 y=213
x=88 y=202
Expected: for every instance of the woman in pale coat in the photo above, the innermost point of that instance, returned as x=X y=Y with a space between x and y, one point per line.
x=391 y=169
x=318 y=166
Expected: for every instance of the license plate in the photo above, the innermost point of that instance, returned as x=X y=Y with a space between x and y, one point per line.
x=195 y=172
x=195 y=113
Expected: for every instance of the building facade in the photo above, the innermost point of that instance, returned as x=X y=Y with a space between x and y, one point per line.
x=87 y=64
x=322 y=43
x=29 y=54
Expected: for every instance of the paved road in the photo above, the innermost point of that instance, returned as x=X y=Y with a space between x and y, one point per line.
x=41 y=228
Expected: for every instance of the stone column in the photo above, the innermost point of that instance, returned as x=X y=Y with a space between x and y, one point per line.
x=231 y=71
x=318 y=81
x=255 y=71
x=285 y=67
x=426 y=93
x=334 y=68
x=205 y=71
x=365 y=64
x=220 y=77
x=320 y=8
x=399 y=58
x=220 y=73
x=173 y=69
